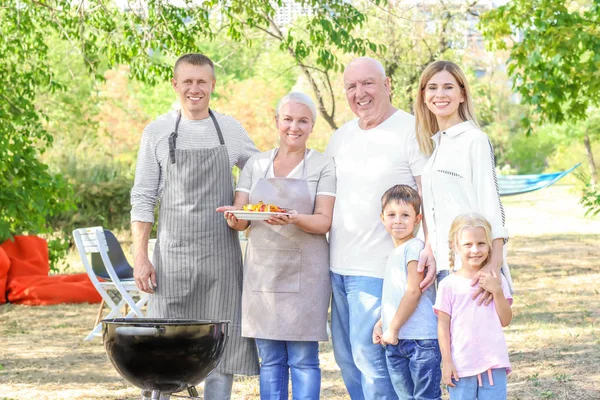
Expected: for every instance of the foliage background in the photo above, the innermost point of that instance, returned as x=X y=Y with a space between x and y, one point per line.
x=81 y=86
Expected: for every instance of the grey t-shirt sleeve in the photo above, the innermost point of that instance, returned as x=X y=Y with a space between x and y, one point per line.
x=327 y=181
x=247 y=147
x=245 y=180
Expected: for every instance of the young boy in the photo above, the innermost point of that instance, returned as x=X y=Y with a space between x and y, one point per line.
x=408 y=326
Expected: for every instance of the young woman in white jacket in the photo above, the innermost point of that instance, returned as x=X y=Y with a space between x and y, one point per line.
x=460 y=175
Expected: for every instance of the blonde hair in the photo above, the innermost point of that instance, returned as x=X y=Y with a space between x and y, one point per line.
x=426 y=122
x=469 y=220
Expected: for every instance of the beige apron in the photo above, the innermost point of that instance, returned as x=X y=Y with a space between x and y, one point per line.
x=286 y=270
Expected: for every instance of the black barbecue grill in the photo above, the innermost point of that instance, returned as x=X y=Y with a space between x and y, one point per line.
x=164 y=356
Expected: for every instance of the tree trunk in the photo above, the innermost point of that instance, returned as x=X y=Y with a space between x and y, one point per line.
x=328 y=116
x=590 y=155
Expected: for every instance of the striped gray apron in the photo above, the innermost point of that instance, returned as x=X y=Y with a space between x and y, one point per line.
x=197 y=257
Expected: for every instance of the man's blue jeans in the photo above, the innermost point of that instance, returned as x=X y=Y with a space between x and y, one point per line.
x=414 y=368
x=278 y=358
x=467 y=388
x=217 y=386
x=355 y=309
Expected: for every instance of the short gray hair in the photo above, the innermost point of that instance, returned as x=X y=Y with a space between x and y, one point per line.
x=300 y=98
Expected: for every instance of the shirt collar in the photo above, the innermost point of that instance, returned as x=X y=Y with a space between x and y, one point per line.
x=453 y=131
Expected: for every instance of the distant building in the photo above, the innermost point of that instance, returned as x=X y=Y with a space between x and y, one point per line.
x=289 y=11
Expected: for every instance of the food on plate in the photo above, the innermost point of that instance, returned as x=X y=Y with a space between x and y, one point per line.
x=262 y=207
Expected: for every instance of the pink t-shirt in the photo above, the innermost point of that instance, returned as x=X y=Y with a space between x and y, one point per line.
x=476 y=336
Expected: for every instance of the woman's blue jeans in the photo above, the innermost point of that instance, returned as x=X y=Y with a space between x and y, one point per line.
x=279 y=360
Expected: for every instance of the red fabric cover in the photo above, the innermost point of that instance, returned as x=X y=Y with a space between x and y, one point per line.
x=28 y=281
x=28 y=256
x=4 y=266
x=55 y=289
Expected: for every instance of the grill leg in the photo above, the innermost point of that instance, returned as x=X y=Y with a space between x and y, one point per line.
x=192 y=391
x=156 y=394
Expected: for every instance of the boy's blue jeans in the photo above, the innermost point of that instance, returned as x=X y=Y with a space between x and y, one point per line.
x=355 y=309
x=414 y=368
x=279 y=359
x=467 y=388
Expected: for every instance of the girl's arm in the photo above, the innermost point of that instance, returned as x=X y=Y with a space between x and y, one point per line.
x=407 y=305
x=448 y=369
x=492 y=284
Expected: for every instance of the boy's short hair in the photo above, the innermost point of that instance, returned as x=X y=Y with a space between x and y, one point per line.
x=401 y=194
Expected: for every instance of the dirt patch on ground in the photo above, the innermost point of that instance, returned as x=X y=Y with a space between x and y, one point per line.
x=554 y=339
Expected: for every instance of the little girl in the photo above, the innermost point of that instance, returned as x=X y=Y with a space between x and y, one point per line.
x=474 y=353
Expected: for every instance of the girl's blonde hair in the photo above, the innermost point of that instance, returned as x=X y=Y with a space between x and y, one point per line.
x=469 y=220
x=426 y=122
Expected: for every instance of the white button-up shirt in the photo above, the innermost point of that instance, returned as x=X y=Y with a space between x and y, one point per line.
x=458 y=178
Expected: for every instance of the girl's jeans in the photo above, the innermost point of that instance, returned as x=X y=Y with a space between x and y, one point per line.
x=467 y=388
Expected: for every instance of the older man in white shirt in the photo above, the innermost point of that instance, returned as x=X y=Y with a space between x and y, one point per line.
x=372 y=153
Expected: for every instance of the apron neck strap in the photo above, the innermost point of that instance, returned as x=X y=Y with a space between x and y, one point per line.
x=270 y=165
x=173 y=136
x=217 y=127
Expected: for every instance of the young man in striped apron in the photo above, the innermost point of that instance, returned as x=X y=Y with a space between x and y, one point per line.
x=184 y=163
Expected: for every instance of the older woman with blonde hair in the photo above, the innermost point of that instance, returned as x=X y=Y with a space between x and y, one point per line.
x=460 y=174
x=286 y=269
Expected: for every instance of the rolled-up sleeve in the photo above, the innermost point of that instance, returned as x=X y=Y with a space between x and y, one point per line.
x=144 y=193
x=485 y=185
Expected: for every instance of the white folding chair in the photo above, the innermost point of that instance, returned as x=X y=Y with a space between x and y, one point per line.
x=93 y=242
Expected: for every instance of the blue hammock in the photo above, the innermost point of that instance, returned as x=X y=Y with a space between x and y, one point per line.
x=510 y=185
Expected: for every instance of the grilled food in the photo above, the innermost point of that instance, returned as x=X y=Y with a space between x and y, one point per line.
x=262 y=207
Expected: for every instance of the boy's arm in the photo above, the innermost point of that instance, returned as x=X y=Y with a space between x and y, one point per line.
x=409 y=302
x=448 y=369
x=377 y=332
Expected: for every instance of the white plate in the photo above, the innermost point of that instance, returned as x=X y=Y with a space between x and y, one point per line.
x=254 y=215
